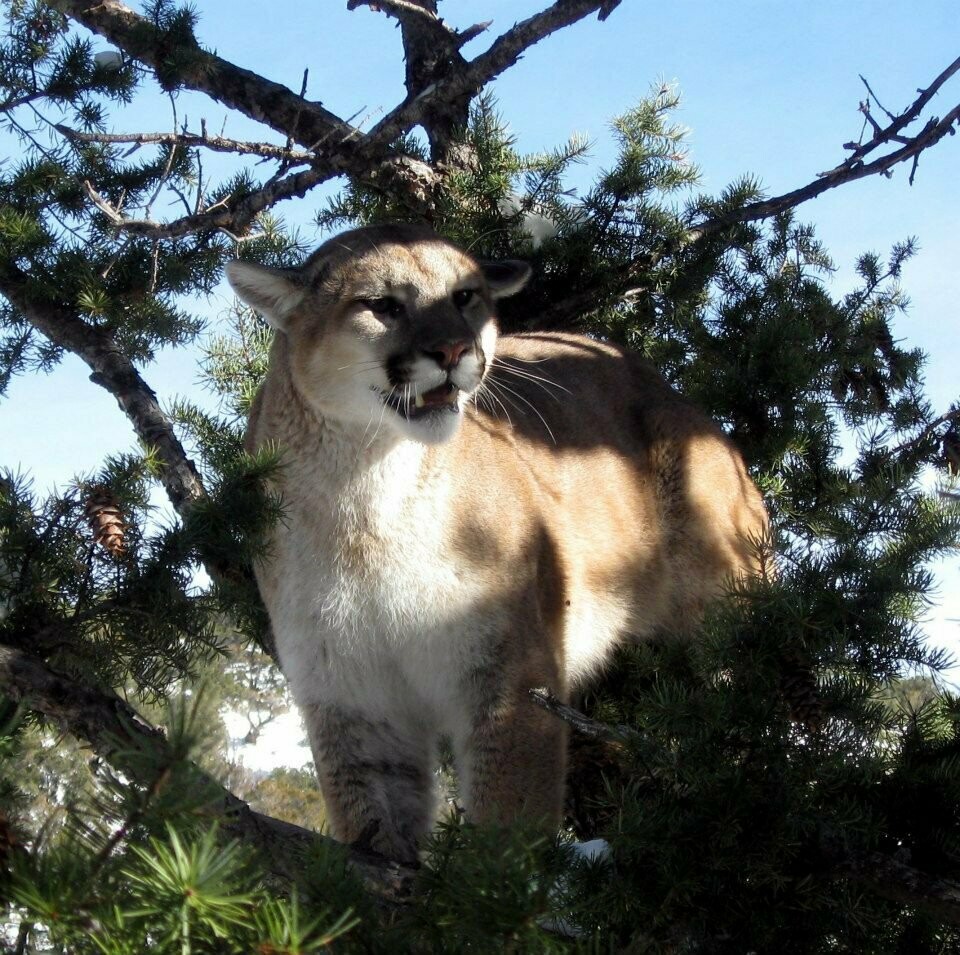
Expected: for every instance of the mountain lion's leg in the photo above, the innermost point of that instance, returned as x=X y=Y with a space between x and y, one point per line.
x=511 y=756
x=375 y=777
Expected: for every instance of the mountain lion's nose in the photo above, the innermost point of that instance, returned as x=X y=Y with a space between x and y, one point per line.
x=447 y=354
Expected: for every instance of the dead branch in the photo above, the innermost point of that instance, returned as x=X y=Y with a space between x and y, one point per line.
x=425 y=11
x=508 y=48
x=440 y=85
x=846 y=172
x=898 y=123
x=261 y=99
x=431 y=55
x=854 y=167
x=113 y=729
x=408 y=10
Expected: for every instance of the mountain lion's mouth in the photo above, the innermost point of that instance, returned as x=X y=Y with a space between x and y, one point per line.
x=436 y=400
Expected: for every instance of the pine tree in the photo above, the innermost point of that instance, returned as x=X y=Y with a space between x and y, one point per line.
x=778 y=783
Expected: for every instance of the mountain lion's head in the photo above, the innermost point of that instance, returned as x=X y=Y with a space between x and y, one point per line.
x=388 y=325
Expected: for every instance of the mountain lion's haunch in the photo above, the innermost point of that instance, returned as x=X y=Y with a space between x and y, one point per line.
x=466 y=517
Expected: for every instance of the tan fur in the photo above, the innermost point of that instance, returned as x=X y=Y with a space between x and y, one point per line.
x=422 y=583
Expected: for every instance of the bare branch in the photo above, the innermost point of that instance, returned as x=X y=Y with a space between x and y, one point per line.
x=431 y=55
x=471 y=33
x=401 y=9
x=898 y=123
x=259 y=98
x=931 y=134
x=114 y=729
x=508 y=48
x=345 y=150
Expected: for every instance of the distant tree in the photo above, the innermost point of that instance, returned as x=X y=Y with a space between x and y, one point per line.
x=756 y=787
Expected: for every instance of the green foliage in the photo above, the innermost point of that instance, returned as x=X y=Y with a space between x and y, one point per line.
x=488 y=890
x=785 y=736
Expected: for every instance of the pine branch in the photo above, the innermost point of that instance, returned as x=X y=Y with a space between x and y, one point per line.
x=950 y=417
x=431 y=55
x=894 y=880
x=112 y=370
x=885 y=875
x=344 y=148
x=469 y=79
x=113 y=729
x=569 y=312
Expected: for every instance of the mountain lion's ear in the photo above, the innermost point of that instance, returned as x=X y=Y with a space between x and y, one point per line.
x=506 y=277
x=275 y=293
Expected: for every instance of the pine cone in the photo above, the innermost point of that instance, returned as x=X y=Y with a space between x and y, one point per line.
x=799 y=688
x=106 y=520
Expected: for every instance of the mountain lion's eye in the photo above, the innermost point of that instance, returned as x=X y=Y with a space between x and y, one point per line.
x=463 y=297
x=387 y=305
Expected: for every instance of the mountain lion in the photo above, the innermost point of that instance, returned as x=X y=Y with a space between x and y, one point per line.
x=466 y=516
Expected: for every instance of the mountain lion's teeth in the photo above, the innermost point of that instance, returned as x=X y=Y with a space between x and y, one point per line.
x=418 y=401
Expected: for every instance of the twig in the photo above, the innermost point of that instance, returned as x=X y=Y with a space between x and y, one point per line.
x=220 y=216
x=931 y=134
x=580 y=721
x=904 y=119
x=873 y=95
x=165 y=175
x=218 y=144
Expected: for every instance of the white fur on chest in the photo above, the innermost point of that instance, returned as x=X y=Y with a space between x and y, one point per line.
x=366 y=602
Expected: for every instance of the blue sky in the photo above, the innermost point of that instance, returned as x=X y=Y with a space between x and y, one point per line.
x=770 y=88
